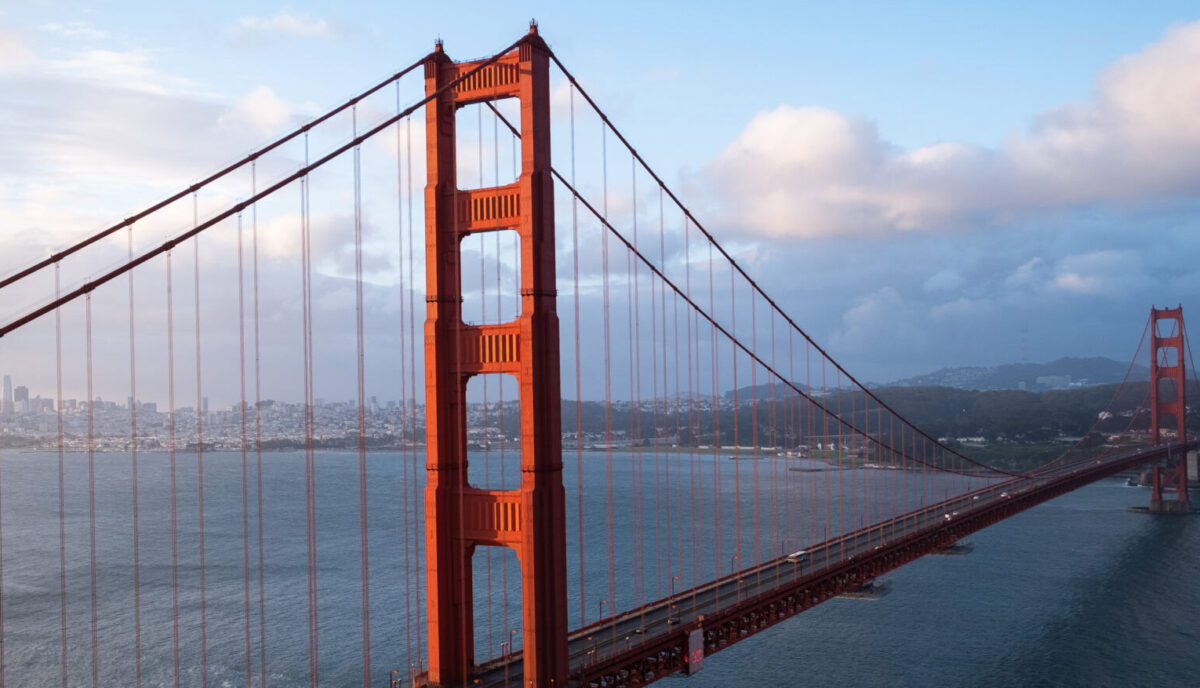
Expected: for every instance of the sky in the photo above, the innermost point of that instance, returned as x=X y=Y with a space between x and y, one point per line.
x=919 y=185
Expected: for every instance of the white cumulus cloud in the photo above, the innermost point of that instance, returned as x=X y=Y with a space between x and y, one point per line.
x=809 y=172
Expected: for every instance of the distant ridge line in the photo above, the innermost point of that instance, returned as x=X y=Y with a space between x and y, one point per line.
x=1062 y=373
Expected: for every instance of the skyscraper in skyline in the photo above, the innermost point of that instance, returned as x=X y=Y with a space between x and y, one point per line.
x=7 y=404
x=21 y=399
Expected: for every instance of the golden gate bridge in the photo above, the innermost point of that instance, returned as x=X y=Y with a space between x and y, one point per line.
x=636 y=535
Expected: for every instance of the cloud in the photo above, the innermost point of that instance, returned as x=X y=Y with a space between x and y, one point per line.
x=285 y=24
x=13 y=51
x=332 y=247
x=959 y=308
x=1098 y=273
x=260 y=109
x=1093 y=273
x=810 y=172
x=97 y=134
x=1029 y=274
x=946 y=280
x=130 y=70
x=76 y=29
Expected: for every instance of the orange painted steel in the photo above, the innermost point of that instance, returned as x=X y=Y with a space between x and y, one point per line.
x=1166 y=363
x=460 y=517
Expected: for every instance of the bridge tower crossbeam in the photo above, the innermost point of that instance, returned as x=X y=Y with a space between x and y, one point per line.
x=460 y=517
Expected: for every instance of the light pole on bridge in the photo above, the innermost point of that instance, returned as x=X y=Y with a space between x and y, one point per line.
x=504 y=653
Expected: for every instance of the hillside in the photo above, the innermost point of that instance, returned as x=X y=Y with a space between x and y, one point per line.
x=1033 y=377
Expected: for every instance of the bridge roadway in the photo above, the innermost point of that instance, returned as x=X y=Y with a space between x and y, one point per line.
x=641 y=645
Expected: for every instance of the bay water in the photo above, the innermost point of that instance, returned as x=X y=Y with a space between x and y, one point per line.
x=1076 y=592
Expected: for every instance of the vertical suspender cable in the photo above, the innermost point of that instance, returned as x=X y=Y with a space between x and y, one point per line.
x=695 y=511
x=665 y=536
x=634 y=408
x=174 y=492
x=578 y=379
x=133 y=459
x=898 y=462
x=635 y=385
x=406 y=479
x=200 y=455
x=840 y=464
x=887 y=491
x=62 y=497
x=737 y=473
x=304 y=315
x=362 y=412
x=810 y=430
x=825 y=446
x=870 y=458
x=657 y=417
x=262 y=595
x=678 y=519
x=926 y=480
x=853 y=438
x=715 y=403
x=754 y=426
x=245 y=451
x=612 y=581
x=794 y=436
x=309 y=418
x=919 y=468
x=866 y=479
x=91 y=451
x=772 y=481
x=681 y=419
x=412 y=379
x=311 y=444
x=670 y=412
x=679 y=409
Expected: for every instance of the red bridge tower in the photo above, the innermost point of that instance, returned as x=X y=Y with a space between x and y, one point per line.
x=1168 y=386
x=458 y=516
